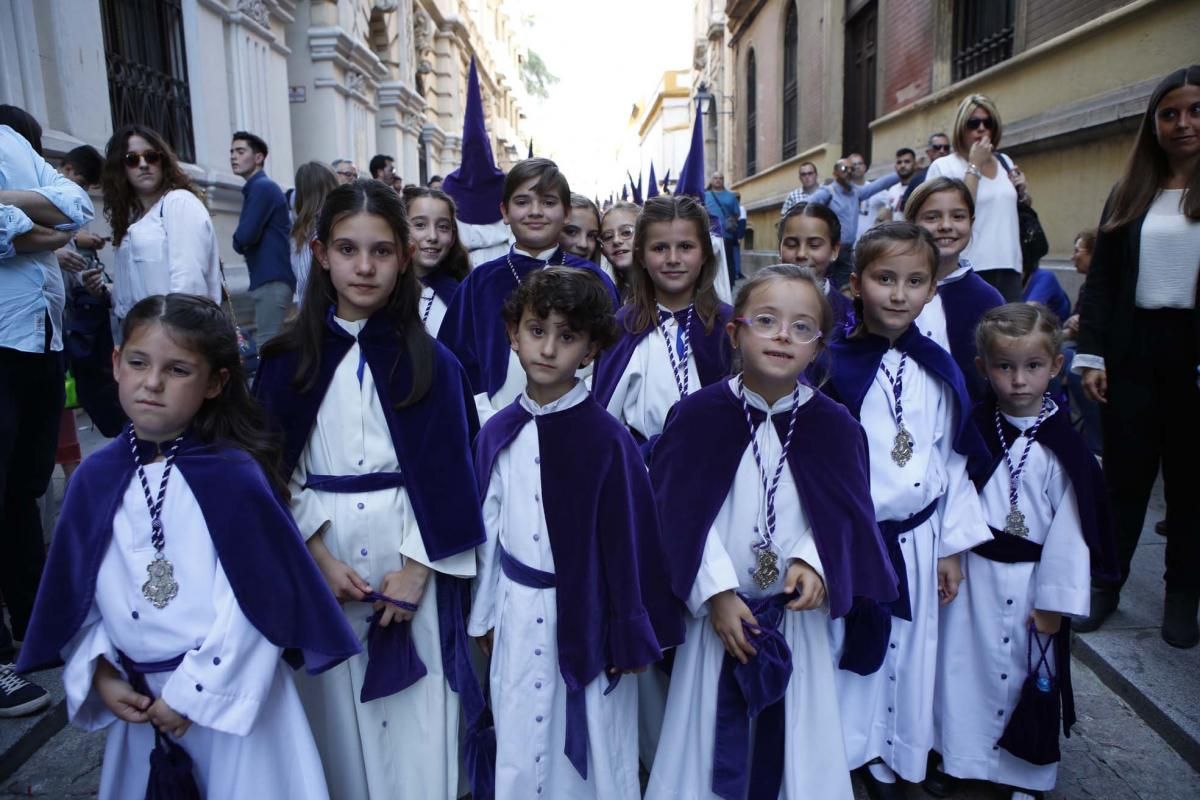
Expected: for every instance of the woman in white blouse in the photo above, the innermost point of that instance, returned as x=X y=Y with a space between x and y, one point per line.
x=995 y=249
x=163 y=237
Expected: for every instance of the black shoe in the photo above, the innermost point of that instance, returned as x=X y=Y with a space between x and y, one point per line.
x=1104 y=603
x=938 y=783
x=18 y=696
x=1179 y=628
x=1160 y=527
x=878 y=790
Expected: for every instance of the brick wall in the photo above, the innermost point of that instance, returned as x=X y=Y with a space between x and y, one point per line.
x=906 y=50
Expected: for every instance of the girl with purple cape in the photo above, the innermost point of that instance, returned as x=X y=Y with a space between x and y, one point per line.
x=762 y=488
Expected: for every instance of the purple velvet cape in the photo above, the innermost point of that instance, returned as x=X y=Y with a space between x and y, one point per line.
x=844 y=318
x=856 y=361
x=432 y=437
x=964 y=301
x=1058 y=436
x=473 y=328
x=697 y=457
x=615 y=607
x=275 y=581
x=711 y=349
x=442 y=284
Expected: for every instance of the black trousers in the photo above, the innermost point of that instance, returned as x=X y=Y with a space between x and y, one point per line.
x=31 y=404
x=1152 y=419
x=1006 y=281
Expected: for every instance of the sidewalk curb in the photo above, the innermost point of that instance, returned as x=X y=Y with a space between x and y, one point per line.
x=23 y=749
x=1159 y=721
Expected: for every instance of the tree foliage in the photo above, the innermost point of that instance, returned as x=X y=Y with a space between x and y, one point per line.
x=537 y=76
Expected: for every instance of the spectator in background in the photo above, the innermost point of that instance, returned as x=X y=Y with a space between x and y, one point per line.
x=314 y=181
x=843 y=197
x=262 y=236
x=1138 y=346
x=938 y=145
x=383 y=168
x=345 y=170
x=39 y=210
x=1038 y=285
x=163 y=239
x=995 y=249
x=1086 y=409
x=858 y=168
x=435 y=183
x=724 y=207
x=906 y=166
x=809 y=183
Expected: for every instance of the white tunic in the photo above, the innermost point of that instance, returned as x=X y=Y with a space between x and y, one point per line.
x=528 y=692
x=814 y=755
x=985 y=632
x=889 y=714
x=647 y=390
x=433 y=310
x=249 y=736
x=405 y=745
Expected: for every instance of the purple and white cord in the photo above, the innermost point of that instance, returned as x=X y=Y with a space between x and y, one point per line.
x=897 y=383
x=767 y=537
x=679 y=366
x=157 y=536
x=1014 y=473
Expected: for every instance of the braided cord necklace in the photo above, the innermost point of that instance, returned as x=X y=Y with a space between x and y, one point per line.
x=160 y=587
x=902 y=445
x=679 y=366
x=1014 y=523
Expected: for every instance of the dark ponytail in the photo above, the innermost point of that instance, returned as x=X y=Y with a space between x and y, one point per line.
x=232 y=417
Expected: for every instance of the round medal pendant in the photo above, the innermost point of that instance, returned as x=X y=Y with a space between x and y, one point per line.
x=767 y=571
x=1014 y=523
x=902 y=447
x=161 y=587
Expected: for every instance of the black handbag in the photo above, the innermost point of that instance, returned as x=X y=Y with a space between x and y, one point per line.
x=1032 y=730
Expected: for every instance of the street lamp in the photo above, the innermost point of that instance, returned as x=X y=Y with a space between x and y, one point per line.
x=704 y=96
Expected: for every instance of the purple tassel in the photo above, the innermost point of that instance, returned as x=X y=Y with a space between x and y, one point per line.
x=170 y=772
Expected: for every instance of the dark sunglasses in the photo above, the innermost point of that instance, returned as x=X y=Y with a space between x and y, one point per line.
x=152 y=157
x=941 y=148
x=974 y=122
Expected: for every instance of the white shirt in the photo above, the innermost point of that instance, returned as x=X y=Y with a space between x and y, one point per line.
x=996 y=235
x=1169 y=259
x=171 y=248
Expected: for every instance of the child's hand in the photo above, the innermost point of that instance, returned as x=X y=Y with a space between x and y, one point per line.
x=345 y=583
x=167 y=719
x=950 y=575
x=407 y=585
x=727 y=612
x=635 y=671
x=485 y=642
x=1046 y=622
x=803 y=578
x=117 y=695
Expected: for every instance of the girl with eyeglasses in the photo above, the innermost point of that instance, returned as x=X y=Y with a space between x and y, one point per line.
x=616 y=242
x=163 y=239
x=995 y=249
x=764 y=502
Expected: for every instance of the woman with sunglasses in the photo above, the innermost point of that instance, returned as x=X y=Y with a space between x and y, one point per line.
x=995 y=249
x=163 y=238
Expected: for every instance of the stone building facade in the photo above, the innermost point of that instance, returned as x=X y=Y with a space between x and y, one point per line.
x=317 y=79
x=815 y=79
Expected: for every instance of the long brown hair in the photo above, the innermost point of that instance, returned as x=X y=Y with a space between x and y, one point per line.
x=121 y=204
x=457 y=262
x=1146 y=168
x=314 y=181
x=643 y=305
x=306 y=334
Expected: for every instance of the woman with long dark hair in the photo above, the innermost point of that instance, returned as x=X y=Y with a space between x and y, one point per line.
x=1139 y=349
x=163 y=238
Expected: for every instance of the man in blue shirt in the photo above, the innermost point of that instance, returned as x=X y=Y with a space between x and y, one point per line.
x=843 y=197
x=262 y=236
x=39 y=210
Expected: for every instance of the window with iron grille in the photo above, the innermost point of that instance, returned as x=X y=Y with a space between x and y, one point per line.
x=751 y=115
x=147 y=69
x=791 y=81
x=983 y=35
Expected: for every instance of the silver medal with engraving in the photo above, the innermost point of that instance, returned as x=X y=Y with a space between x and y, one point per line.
x=902 y=445
x=160 y=587
x=1014 y=522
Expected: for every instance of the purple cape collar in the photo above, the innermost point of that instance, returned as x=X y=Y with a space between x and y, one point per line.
x=711 y=349
x=614 y=605
x=964 y=300
x=432 y=437
x=473 y=328
x=442 y=284
x=276 y=583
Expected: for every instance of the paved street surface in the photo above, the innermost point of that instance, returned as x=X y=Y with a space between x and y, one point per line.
x=1118 y=750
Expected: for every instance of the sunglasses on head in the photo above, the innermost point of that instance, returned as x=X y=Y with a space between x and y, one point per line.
x=975 y=122
x=152 y=157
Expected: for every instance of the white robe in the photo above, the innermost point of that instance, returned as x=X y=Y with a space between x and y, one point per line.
x=405 y=745
x=249 y=736
x=433 y=310
x=889 y=714
x=814 y=755
x=985 y=632
x=484 y=242
x=527 y=689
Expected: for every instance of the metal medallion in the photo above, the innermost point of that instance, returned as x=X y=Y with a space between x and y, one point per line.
x=161 y=587
x=767 y=571
x=1014 y=523
x=902 y=448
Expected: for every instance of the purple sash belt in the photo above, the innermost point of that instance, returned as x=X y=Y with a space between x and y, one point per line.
x=891 y=529
x=576 y=746
x=171 y=776
x=1009 y=549
x=753 y=691
x=355 y=484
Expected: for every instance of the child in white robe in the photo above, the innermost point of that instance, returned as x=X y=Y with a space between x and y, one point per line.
x=195 y=571
x=911 y=401
x=377 y=445
x=440 y=258
x=1036 y=570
